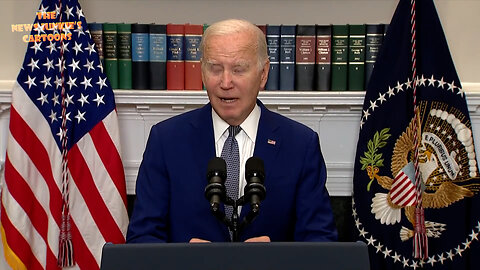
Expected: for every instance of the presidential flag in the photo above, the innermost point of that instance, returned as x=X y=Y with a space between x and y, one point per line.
x=64 y=194
x=416 y=199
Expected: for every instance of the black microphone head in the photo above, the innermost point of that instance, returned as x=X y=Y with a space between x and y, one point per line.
x=254 y=167
x=217 y=166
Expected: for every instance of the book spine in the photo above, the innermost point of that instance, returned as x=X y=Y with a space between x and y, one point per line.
x=273 y=48
x=287 y=57
x=373 y=41
x=140 y=56
x=262 y=27
x=305 y=57
x=193 y=72
x=124 y=56
x=175 y=56
x=158 y=56
x=205 y=26
x=339 y=57
x=323 y=58
x=356 y=57
x=96 y=32
x=111 y=53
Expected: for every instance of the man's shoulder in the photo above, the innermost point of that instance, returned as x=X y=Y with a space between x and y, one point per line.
x=183 y=119
x=285 y=122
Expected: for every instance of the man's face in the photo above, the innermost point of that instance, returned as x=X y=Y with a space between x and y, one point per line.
x=232 y=75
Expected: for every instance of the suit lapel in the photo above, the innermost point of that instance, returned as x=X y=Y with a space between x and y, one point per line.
x=267 y=144
x=268 y=139
x=203 y=138
x=204 y=147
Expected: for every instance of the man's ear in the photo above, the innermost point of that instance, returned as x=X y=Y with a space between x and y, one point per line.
x=265 y=70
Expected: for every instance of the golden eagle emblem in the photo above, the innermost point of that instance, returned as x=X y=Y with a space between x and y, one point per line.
x=446 y=164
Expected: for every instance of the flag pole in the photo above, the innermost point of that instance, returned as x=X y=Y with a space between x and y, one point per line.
x=65 y=248
x=420 y=243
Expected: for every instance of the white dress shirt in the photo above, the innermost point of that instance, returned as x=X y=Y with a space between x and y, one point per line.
x=245 y=138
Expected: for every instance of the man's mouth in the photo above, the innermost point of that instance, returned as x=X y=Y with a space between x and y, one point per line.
x=228 y=100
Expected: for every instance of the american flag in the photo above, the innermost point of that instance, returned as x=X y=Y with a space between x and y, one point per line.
x=64 y=180
x=403 y=188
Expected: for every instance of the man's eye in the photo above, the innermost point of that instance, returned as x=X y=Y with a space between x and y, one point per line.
x=239 y=70
x=216 y=69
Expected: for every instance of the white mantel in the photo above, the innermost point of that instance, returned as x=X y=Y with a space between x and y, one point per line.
x=334 y=115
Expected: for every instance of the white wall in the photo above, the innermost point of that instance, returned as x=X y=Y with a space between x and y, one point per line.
x=459 y=17
x=332 y=113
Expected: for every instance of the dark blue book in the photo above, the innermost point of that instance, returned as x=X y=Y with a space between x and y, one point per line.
x=96 y=31
x=140 y=56
x=273 y=46
x=287 y=57
x=374 y=39
x=158 y=56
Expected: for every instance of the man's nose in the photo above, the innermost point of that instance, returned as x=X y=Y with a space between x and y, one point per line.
x=226 y=80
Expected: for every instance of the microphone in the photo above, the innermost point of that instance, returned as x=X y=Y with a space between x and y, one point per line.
x=215 y=191
x=254 y=190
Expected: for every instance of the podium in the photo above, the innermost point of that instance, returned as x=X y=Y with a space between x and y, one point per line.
x=237 y=256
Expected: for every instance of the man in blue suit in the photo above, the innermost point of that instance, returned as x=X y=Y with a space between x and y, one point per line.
x=170 y=204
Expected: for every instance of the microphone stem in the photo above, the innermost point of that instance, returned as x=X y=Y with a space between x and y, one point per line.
x=234 y=228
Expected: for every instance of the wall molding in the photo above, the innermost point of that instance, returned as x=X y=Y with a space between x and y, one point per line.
x=334 y=115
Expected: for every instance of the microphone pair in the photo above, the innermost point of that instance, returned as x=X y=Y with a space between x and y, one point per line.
x=254 y=191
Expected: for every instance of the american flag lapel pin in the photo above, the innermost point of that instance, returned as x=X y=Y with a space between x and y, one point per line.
x=272 y=142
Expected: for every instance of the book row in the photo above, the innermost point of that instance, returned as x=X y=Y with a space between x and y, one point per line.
x=150 y=56
x=302 y=57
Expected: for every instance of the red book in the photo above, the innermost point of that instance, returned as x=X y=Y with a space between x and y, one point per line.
x=193 y=73
x=175 y=56
x=262 y=27
x=305 y=57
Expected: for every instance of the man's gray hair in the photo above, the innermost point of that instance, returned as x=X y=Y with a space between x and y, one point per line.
x=233 y=26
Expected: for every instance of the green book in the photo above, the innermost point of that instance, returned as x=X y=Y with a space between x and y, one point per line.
x=124 y=36
x=110 y=53
x=339 y=56
x=356 y=57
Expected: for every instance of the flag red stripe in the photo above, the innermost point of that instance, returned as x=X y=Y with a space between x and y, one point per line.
x=18 y=244
x=409 y=197
x=86 y=185
x=411 y=200
x=110 y=157
x=83 y=257
x=399 y=185
x=22 y=193
x=403 y=193
x=25 y=137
